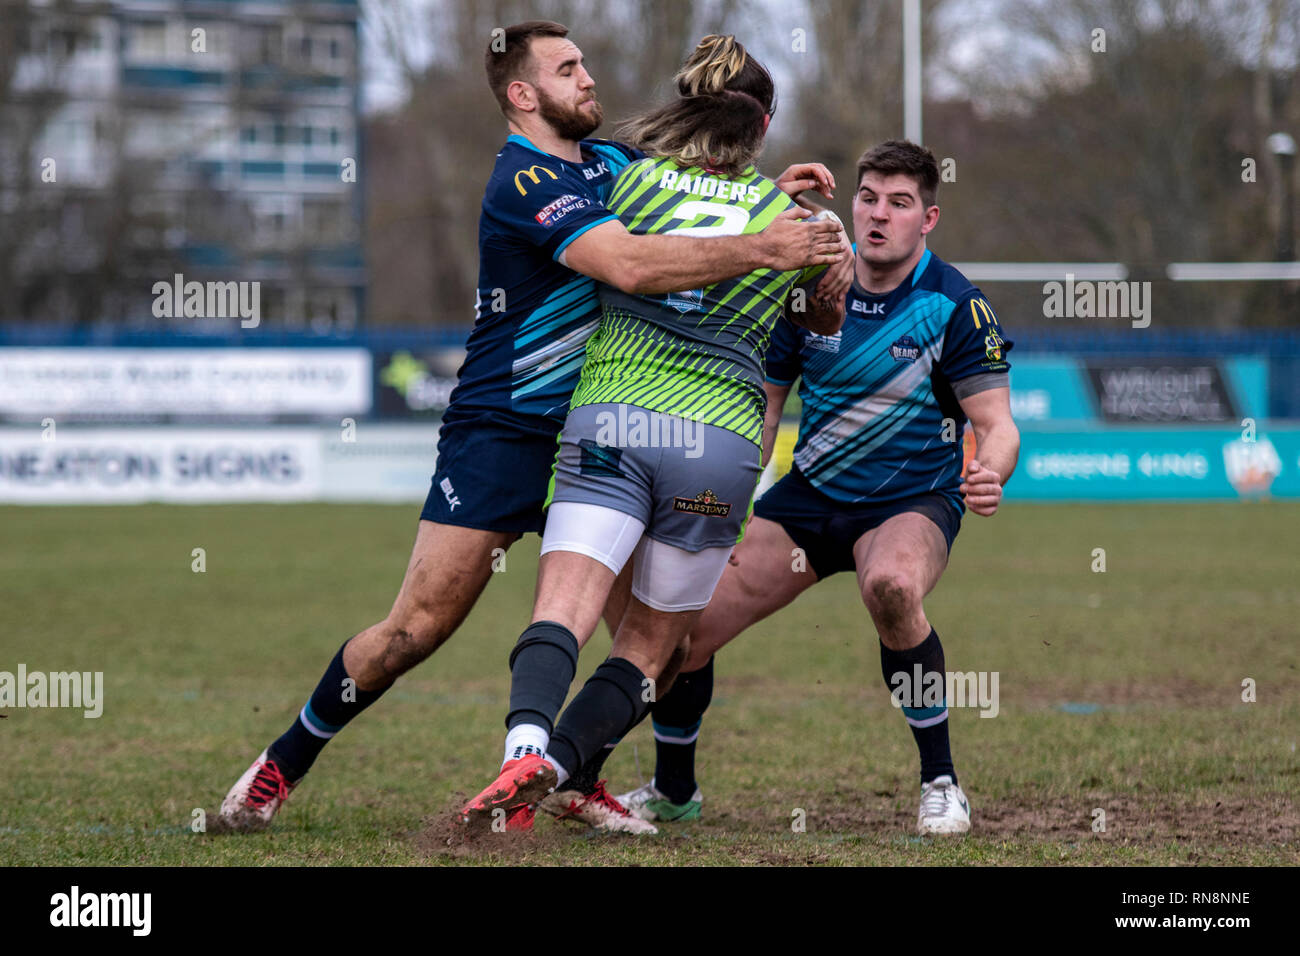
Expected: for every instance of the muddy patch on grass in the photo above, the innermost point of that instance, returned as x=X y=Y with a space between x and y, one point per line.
x=761 y=835
x=1130 y=818
x=442 y=838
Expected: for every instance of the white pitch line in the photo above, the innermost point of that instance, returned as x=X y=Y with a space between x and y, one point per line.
x=1042 y=271
x=1233 y=271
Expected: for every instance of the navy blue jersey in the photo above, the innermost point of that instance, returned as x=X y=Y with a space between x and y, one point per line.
x=876 y=394
x=533 y=316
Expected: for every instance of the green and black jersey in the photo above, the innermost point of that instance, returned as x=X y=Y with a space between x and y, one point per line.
x=697 y=354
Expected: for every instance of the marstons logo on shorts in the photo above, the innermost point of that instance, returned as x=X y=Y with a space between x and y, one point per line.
x=905 y=349
x=556 y=210
x=705 y=503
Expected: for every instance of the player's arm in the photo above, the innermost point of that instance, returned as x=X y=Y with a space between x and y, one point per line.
x=801 y=177
x=817 y=303
x=818 y=315
x=651 y=264
x=776 y=396
x=997 y=445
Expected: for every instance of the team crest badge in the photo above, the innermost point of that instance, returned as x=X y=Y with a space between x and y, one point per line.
x=688 y=301
x=705 y=503
x=993 y=346
x=905 y=349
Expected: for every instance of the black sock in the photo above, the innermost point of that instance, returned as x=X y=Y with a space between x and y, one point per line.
x=676 y=721
x=542 y=666
x=329 y=709
x=923 y=702
x=585 y=780
x=609 y=702
x=588 y=775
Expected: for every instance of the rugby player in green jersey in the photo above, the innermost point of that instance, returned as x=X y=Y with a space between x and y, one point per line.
x=660 y=453
x=544 y=236
x=878 y=486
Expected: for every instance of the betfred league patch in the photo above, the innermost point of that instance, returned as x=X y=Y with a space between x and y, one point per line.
x=557 y=209
x=705 y=503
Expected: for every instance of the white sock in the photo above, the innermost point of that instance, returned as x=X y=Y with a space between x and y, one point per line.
x=561 y=774
x=525 y=739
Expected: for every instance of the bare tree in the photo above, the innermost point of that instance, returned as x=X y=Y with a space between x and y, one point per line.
x=429 y=160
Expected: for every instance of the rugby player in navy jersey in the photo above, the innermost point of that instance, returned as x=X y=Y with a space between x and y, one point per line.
x=544 y=236
x=877 y=486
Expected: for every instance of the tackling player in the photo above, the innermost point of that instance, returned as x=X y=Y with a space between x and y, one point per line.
x=660 y=453
x=877 y=485
x=543 y=217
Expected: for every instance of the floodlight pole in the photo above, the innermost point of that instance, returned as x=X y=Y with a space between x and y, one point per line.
x=1283 y=148
x=912 y=70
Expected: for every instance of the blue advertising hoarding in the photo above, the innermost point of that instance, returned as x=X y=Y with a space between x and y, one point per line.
x=1136 y=463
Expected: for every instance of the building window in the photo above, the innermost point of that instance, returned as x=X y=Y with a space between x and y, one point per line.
x=263 y=45
x=147 y=40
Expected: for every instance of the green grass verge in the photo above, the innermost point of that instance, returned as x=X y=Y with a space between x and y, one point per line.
x=1119 y=690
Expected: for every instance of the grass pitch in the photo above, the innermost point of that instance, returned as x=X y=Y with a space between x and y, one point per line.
x=1119 y=691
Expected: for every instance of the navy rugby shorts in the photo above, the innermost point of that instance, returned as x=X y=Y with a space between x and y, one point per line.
x=826 y=529
x=491 y=476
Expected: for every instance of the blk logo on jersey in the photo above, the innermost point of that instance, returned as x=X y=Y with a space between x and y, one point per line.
x=595 y=172
x=905 y=349
x=867 y=308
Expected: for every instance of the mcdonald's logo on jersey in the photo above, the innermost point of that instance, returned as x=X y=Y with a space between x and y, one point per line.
x=979 y=309
x=531 y=173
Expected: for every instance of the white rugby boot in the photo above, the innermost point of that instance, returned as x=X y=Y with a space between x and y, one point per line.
x=649 y=803
x=255 y=798
x=944 y=808
x=597 y=809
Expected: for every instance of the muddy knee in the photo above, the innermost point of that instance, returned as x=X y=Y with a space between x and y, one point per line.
x=890 y=598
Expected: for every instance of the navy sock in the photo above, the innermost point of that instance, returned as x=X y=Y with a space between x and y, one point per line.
x=609 y=702
x=677 y=719
x=542 y=666
x=329 y=709
x=929 y=724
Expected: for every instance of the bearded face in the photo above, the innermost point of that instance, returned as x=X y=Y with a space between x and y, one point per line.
x=573 y=122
